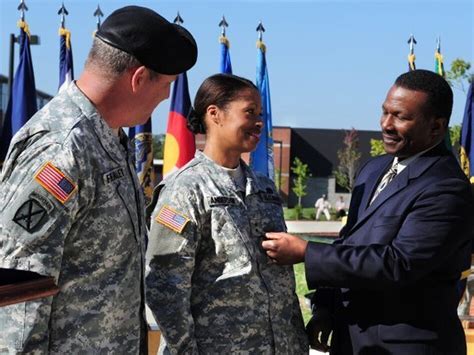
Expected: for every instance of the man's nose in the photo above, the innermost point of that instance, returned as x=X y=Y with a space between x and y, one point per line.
x=386 y=122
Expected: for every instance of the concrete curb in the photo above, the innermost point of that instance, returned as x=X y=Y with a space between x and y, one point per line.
x=330 y=229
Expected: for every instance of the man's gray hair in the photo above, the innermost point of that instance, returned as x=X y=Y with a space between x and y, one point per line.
x=111 y=60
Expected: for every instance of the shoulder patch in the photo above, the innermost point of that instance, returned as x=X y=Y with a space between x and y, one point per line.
x=29 y=215
x=172 y=219
x=55 y=182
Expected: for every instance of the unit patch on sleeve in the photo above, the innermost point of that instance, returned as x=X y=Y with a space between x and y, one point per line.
x=29 y=215
x=55 y=182
x=172 y=219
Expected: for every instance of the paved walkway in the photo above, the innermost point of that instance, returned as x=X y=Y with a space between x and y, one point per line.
x=315 y=227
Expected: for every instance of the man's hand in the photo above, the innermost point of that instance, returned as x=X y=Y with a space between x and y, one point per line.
x=285 y=248
x=318 y=329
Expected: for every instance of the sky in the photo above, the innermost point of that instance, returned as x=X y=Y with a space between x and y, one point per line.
x=330 y=63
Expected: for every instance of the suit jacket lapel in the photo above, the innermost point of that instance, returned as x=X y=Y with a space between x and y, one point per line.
x=412 y=171
x=371 y=184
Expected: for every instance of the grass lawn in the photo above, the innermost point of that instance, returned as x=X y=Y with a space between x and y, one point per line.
x=301 y=290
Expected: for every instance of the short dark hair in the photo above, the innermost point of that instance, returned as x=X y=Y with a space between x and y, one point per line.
x=219 y=90
x=440 y=95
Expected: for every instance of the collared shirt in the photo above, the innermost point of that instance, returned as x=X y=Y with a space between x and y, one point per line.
x=402 y=164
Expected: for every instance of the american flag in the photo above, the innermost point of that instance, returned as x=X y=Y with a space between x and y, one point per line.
x=55 y=182
x=172 y=219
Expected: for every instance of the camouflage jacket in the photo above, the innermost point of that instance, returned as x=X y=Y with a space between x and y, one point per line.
x=71 y=207
x=209 y=283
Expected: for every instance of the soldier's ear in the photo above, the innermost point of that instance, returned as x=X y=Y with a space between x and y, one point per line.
x=138 y=78
x=213 y=112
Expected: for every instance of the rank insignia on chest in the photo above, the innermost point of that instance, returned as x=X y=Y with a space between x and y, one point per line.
x=55 y=182
x=172 y=219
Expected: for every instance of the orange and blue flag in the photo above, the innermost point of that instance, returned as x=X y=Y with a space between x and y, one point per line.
x=22 y=102
x=180 y=145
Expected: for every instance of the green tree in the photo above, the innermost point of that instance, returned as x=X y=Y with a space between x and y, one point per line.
x=349 y=157
x=158 y=146
x=455 y=133
x=376 y=147
x=459 y=74
x=279 y=179
x=301 y=171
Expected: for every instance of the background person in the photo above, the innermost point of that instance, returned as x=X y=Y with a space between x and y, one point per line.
x=340 y=207
x=71 y=205
x=322 y=205
x=209 y=283
x=389 y=284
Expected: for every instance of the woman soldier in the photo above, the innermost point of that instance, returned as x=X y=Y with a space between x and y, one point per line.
x=209 y=283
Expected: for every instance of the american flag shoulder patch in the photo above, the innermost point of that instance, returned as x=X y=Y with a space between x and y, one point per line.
x=55 y=182
x=172 y=219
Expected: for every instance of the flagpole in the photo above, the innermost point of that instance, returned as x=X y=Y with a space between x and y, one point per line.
x=225 y=63
x=411 y=55
x=66 y=67
x=34 y=39
x=98 y=13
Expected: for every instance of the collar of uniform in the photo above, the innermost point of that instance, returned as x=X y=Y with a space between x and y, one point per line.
x=252 y=185
x=109 y=141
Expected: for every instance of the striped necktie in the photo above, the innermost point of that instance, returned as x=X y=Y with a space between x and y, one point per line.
x=389 y=175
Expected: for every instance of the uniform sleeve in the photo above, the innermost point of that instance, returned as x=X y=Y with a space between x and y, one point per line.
x=171 y=255
x=38 y=204
x=434 y=234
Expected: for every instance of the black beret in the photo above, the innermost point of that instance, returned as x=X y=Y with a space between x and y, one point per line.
x=158 y=44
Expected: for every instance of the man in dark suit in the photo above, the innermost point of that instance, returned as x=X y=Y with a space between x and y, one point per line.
x=388 y=284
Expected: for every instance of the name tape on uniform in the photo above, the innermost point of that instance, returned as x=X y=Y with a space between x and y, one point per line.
x=55 y=182
x=172 y=219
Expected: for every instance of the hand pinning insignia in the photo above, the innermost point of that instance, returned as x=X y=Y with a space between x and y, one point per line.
x=29 y=215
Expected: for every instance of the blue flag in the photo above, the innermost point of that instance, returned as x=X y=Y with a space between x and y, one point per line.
x=226 y=65
x=467 y=139
x=22 y=101
x=66 y=69
x=261 y=159
x=142 y=139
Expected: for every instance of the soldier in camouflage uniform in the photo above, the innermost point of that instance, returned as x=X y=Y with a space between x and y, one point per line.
x=71 y=205
x=209 y=283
